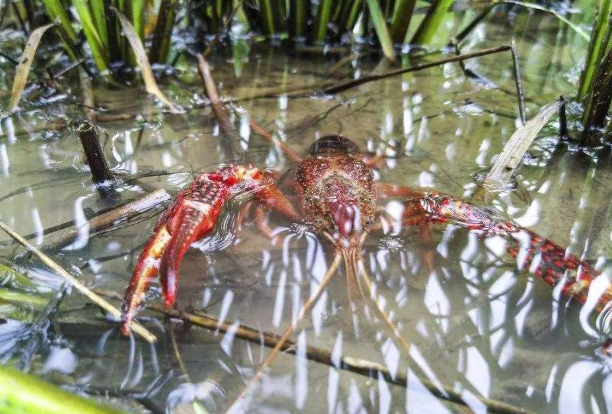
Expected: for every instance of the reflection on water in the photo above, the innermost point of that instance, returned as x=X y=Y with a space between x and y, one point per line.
x=470 y=321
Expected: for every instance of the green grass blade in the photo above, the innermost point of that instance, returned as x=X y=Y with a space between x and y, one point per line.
x=22 y=298
x=402 y=14
x=26 y=394
x=322 y=19
x=267 y=17
x=430 y=24
x=14 y=278
x=380 y=26
x=347 y=17
x=98 y=10
x=99 y=53
x=56 y=11
x=138 y=17
x=163 y=32
x=596 y=49
x=298 y=15
x=353 y=14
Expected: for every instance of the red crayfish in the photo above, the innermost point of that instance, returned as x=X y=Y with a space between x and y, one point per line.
x=337 y=195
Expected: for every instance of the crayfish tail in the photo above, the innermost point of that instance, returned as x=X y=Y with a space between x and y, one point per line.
x=146 y=268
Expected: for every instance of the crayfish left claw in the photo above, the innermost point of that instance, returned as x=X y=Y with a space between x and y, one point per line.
x=192 y=216
x=194 y=222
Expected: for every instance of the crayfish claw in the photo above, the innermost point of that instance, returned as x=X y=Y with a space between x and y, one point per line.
x=146 y=268
x=193 y=223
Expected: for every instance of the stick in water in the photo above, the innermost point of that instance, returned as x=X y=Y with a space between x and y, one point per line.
x=236 y=406
x=139 y=329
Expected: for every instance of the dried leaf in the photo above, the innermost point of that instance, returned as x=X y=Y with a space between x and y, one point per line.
x=143 y=62
x=514 y=150
x=23 y=69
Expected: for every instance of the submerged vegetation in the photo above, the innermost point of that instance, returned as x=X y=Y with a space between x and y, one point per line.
x=114 y=43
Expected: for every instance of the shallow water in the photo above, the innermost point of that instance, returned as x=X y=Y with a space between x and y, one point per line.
x=472 y=322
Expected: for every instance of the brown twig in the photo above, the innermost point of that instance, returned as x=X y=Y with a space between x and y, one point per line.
x=101 y=174
x=519 y=83
x=275 y=141
x=229 y=132
x=139 y=329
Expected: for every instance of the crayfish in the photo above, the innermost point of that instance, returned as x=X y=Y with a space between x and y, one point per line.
x=337 y=197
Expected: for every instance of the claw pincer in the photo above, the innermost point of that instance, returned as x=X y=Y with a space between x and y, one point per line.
x=192 y=216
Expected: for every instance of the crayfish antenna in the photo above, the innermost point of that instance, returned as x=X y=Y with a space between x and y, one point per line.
x=354 y=289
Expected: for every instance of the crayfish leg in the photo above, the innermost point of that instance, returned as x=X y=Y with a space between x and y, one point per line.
x=146 y=268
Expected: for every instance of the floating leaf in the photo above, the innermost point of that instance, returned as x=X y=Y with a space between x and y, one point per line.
x=143 y=62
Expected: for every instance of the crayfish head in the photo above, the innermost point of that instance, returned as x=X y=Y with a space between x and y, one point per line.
x=343 y=210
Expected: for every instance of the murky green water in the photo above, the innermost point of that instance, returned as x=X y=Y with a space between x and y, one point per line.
x=473 y=322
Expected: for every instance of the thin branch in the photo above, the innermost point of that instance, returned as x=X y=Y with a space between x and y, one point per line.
x=563 y=133
x=142 y=331
x=229 y=132
x=366 y=79
x=103 y=221
x=519 y=83
x=291 y=154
